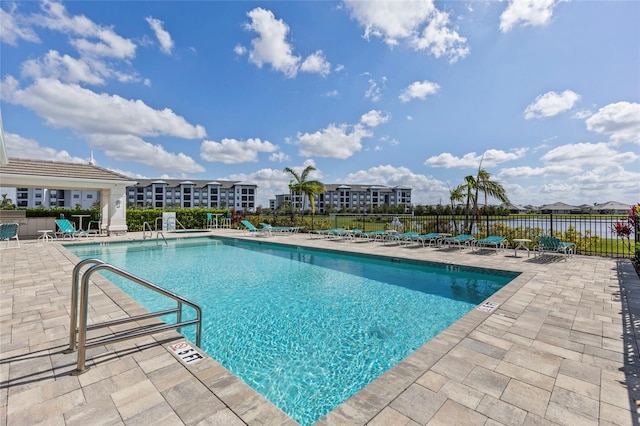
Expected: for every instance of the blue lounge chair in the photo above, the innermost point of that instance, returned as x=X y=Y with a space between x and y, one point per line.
x=493 y=241
x=280 y=229
x=462 y=241
x=427 y=239
x=249 y=227
x=9 y=231
x=373 y=235
x=67 y=229
x=548 y=244
x=400 y=238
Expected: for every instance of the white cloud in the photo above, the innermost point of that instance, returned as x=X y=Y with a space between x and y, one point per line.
x=550 y=104
x=586 y=155
x=331 y=94
x=334 y=141
x=374 y=91
x=374 y=118
x=61 y=67
x=271 y=46
x=419 y=90
x=418 y=23
x=425 y=189
x=620 y=120
x=13 y=28
x=20 y=147
x=133 y=148
x=239 y=50
x=577 y=172
x=270 y=183
x=316 y=63
x=232 y=151
x=163 y=36
x=279 y=157
x=526 y=13
x=69 y=105
x=490 y=158
x=91 y=39
x=440 y=40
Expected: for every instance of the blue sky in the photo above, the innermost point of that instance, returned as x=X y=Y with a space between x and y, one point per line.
x=370 y=92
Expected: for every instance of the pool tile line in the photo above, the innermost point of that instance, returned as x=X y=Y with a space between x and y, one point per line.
x=561 y=348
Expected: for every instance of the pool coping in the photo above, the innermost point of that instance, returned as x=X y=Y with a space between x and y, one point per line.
x=429 y=385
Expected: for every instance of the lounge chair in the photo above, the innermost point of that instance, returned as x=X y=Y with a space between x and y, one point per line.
x=427 y=239
x=9 y=231
x=400 y=238
x=280 y=229
x=462 y=241
x=548 y=244
x=373 y=235
x=67 y=229
x=493 y=241
x=249 y=227
x=327 y=233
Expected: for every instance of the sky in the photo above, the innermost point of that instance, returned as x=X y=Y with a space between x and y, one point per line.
x=542 y=94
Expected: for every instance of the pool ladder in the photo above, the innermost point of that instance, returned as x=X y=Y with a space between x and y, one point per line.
x=146 y=227
x=78 y=327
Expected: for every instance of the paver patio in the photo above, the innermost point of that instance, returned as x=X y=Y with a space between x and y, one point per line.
x=561 y=348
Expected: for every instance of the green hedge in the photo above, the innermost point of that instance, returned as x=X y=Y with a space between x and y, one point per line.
x=190 y=218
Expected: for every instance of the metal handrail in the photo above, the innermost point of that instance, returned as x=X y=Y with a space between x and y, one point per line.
x=146 y=225
x=158 y=235
x=79 y=325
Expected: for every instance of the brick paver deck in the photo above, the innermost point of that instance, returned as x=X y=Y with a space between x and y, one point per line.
x=561 y=348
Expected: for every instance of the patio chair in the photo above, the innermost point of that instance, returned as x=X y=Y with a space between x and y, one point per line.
x=427 y=239
x=400 y=238
x=67 y=229
x=279 y=229
x=495 y=242
x=9 y=231
x=548 y=244
x=98 y=226
x=373 y=235
x=462 y=241
x=250 y=227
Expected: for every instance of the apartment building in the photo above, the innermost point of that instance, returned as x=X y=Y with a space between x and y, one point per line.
x=160 y=193
x=342 y=196
x=55 y=198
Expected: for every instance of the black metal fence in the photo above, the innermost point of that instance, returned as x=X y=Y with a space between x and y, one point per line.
x=592 y=234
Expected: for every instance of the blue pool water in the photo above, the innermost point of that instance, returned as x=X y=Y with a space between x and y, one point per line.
x=305 y=328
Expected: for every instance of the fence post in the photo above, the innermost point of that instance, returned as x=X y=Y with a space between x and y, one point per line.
x=551 y=224
x=488 y=225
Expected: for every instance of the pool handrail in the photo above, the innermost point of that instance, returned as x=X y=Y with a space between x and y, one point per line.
x=78 y=326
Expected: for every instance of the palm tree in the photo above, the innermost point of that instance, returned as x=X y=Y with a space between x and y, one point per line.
x=307 y=188
x=489 y=188
x=456 y=195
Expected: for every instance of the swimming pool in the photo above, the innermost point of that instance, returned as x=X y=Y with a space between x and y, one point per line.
x=305 y=328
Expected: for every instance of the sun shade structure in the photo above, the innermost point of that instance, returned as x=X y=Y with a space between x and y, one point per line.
x=26 y=173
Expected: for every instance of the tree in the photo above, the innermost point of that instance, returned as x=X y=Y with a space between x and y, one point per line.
x=456 y=195
x=299 y=185
x=6 y=203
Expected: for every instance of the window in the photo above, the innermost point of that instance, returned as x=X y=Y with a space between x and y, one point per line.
x=76 y=196
x=244 y=190
x=158 y=189
x=89 y=196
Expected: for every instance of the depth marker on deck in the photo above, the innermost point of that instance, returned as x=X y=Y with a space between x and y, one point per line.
x=185 y=352
x=488 y=306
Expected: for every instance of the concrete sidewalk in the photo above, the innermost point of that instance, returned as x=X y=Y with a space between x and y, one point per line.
x=561 y=348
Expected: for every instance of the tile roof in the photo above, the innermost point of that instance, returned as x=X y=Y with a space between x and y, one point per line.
x=20 y=166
